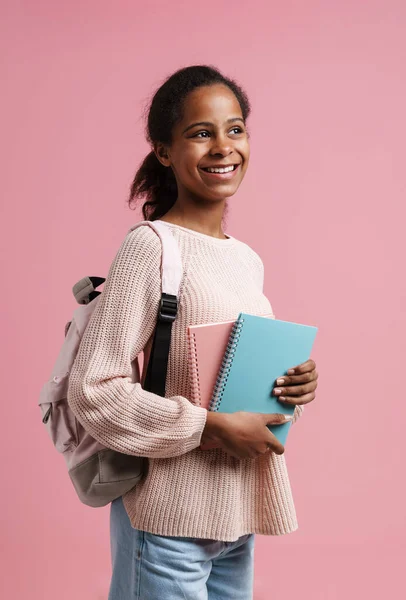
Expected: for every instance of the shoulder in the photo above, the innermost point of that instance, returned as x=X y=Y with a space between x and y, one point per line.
x=143 y=237
x=139 y=255
x=141 y=243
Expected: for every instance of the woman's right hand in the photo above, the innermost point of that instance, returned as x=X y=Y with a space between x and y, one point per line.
x=243 y=434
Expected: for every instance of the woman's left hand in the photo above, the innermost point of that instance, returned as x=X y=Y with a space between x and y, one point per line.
x=299 y=385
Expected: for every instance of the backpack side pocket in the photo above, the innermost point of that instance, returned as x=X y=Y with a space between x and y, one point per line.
x=56 y=413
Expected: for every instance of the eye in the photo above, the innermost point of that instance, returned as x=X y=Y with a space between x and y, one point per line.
x=200 y=132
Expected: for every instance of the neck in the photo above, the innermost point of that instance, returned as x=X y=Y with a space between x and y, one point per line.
x=203 y=218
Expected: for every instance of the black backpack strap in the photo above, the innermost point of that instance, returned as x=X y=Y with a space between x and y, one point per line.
x=155 y=378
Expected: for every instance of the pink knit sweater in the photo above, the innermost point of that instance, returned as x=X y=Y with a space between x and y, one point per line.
x=187 y=491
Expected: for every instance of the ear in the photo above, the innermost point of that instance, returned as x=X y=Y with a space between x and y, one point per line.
x=161 y=152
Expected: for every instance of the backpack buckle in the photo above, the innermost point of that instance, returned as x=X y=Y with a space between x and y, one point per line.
x=168 y=307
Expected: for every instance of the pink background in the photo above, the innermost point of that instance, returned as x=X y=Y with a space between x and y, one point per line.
x=323 y=204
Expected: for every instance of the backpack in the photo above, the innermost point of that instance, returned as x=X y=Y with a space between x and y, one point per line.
x=100 y=474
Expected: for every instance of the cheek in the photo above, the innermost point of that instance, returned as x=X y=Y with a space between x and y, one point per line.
x=190 y=161
x=188 y=155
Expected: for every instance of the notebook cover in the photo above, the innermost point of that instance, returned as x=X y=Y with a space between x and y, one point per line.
x=207 y=344
x=259 y=351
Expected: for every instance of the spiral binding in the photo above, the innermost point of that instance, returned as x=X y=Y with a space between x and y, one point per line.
x=224 y=370
x=194 y=370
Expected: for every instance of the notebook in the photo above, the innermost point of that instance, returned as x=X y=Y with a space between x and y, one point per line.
x=258 y=352
x=207 y=344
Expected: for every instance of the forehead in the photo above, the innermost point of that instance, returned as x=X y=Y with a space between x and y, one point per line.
x=214 y=103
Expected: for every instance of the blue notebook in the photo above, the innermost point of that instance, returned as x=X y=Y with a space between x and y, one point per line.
x=258 y=352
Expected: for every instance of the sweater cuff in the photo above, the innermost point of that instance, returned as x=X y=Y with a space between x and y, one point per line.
x=199 y=418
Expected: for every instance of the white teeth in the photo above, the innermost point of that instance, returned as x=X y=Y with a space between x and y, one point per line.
x=224 y=170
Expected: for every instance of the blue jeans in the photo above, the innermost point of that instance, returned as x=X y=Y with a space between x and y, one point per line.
x=153 y=567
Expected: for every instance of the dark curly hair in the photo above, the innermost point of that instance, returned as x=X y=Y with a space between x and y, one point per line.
x=153 y=181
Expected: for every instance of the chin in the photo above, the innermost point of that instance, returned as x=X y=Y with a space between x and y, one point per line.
x=220 y=197
x=229 y=192
x=221 y=191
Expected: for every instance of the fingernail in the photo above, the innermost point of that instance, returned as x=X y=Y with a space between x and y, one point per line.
x=288 y=417
x=291 y=371
x=280 y=381
x=277 y=391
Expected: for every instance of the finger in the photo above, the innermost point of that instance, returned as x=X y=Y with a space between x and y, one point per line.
x=274 y=444
x=309 y=365
x=276 y=418
x=292 y=400
x=296 y=379
x=295 y=390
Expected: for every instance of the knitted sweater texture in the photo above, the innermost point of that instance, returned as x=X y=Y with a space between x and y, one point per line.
x=186 y=491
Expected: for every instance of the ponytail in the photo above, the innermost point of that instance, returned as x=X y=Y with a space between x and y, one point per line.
x=157 y=184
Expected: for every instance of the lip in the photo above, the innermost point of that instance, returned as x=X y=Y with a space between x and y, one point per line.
x=222 y=176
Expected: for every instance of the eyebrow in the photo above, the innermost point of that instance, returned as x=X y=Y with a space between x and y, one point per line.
x=208 y=124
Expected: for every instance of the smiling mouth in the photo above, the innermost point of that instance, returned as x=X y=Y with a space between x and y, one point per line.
x=219 y=175
x=220 y=170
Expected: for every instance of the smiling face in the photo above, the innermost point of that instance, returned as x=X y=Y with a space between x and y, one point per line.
x=211 y=134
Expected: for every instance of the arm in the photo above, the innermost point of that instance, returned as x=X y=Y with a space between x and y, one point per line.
x=118 y=413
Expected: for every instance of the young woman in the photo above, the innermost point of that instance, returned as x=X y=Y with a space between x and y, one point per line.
x=187 y=530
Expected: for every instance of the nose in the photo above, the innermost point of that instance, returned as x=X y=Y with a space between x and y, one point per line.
x=222 y=145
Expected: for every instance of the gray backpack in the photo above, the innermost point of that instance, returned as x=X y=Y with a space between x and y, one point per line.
x=100 y=474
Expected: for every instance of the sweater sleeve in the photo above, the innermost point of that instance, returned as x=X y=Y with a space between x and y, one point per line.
x=117 y=412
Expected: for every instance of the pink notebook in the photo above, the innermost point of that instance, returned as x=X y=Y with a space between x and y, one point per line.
x=206 y=346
